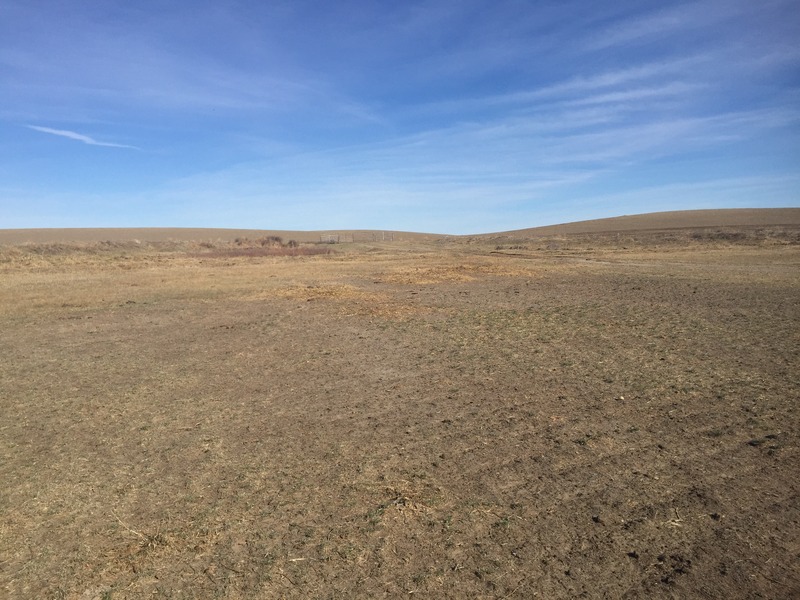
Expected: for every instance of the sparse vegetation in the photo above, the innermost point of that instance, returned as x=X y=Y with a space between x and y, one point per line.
x=226 y=419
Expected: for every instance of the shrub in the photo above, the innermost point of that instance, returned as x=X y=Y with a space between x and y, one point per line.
x=271 y=240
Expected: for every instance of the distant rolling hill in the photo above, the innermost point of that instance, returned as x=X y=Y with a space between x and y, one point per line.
x=745 y=217
x=685 y=219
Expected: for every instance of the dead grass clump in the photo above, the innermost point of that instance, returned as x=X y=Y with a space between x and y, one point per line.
x=268 y=240
x=325 y=292
x=256 y=251
x=350 y=300
x=146 y=541
x=452 y=273
x=10 y=254
x=48 y=256
x=128 y=254
x=270 y=245
x=428 y=275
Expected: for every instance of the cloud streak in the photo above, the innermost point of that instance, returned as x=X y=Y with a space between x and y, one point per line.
x=79 y=137
x=432 y=115
x=663 y=23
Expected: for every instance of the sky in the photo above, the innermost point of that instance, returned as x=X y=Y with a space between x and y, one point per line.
x=446 y=116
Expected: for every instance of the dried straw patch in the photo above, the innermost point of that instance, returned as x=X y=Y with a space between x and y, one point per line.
x=389 y=310
x=427 y=275
x=350 y=300
x=341 y=292
x=463 y=273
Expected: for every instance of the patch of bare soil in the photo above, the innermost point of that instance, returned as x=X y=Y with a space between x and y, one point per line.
x=443 y=420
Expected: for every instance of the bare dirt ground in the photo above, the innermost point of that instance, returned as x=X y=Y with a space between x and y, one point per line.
x=576 y=417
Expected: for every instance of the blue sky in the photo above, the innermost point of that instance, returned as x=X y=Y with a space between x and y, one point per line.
x=444 y=116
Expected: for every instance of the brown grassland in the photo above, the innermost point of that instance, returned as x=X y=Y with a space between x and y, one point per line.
x=596 y=415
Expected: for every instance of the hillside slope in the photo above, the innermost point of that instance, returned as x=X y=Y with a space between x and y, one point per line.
x=755 y=217
x=686 y=219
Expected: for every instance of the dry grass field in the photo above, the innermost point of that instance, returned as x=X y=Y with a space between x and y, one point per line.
x=597 y=415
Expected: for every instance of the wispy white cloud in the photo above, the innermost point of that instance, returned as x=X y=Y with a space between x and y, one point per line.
x=659 y=76
x=690 y=15
x=661 y=92
x=79 y=137
x=583 y=83
x=423 y=110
